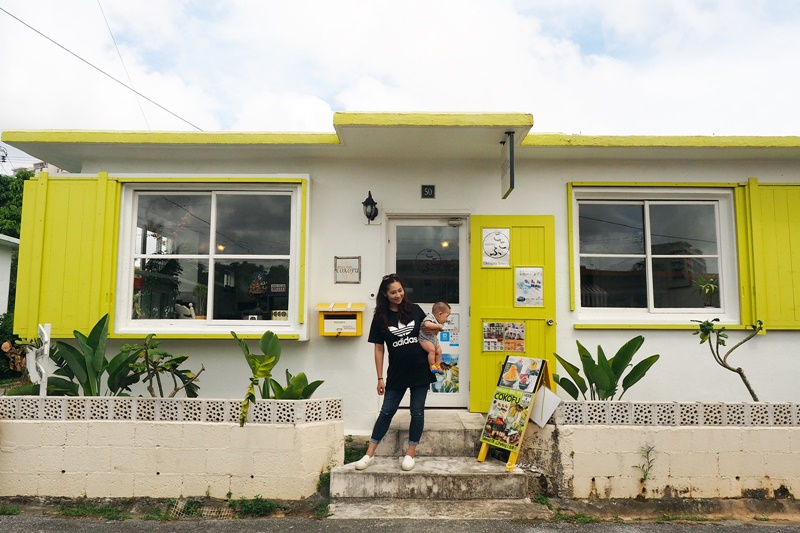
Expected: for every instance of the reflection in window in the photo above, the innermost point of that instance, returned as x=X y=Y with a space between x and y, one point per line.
x=649 y=254
x=428 y=262
x=212 y=255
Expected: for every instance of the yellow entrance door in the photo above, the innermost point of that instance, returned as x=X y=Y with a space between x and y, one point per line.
x=512 y=297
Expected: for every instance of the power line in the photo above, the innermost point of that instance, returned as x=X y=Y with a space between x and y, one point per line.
x=123 y=63
x=100 y=70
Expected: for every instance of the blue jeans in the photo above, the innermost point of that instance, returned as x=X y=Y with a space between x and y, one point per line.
x=391 y=401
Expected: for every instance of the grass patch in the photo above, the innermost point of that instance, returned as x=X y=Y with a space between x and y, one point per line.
x=577 y=518
x=154 y=512
x=541 y=499
x=761 y=518
x=109 y=512
x=9 y=510
x=322 y=509
x=686 y=518
x=354 y=449
x=258 y=506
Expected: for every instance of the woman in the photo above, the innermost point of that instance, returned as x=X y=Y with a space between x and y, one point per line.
x=396 y=323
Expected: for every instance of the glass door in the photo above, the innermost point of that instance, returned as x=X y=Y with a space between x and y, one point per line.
x=431 y=256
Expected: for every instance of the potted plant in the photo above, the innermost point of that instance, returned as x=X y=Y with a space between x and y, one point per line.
x=707 y=287
x=200 y=294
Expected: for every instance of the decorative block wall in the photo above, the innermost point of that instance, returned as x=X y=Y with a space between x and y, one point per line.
x=166 y=448
x=700 y=450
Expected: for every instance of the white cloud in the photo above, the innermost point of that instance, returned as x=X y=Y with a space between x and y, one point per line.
x=612 y=67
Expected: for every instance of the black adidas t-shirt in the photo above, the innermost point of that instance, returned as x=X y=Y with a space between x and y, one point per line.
x=408 y=362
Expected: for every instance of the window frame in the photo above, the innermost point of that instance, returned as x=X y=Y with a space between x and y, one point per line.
x=729 y=310
x=296 y=324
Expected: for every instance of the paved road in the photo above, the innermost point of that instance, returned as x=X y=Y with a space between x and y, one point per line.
x=37 y=524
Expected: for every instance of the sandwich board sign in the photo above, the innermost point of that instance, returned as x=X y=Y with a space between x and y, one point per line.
x=520 y=381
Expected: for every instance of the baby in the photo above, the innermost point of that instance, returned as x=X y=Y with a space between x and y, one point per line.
x=430 y=343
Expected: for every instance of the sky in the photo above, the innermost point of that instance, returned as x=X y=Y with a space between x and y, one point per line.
x=591 y=67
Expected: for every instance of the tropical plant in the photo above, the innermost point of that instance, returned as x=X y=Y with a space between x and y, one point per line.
x=707 y=329
x=297 y=387
x=261 y=365
x=153 y=362
x=707 y=286
x=87 y=364
x=603 y=375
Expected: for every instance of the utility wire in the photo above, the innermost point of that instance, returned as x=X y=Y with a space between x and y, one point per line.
x=100 y=70
x=138 y=102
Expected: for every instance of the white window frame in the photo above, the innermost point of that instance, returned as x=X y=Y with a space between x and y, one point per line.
x=294 y=326
x=729 y=310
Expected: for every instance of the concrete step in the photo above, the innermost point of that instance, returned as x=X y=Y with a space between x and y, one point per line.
x=448 y=433
x=435 y=478
x=353 y=509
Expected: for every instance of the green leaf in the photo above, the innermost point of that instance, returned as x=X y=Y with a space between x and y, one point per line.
x=311 y=387
x=119 y=371
x=604 y=366
x=277 y=389
x=625 y=354
x=569 y=387
x=98 y=338
x=574 y=373
x=638 y=372
x=75 y=361
x=270 y=344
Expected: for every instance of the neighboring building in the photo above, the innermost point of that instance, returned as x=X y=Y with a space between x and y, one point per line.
x=601 y=239
x=8 y=247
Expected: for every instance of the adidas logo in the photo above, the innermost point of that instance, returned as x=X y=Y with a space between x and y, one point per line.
x=405 y=340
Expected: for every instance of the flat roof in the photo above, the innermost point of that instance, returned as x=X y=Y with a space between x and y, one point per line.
x=388 y=136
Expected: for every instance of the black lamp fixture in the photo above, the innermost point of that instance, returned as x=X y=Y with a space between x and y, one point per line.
x=370 y=208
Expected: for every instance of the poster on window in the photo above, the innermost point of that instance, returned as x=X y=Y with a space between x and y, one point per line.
x=528 y=287
x=496 y=244
x=448 y=381
x=503 y=336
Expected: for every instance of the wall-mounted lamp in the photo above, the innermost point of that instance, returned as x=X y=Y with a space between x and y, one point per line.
x=370 y=208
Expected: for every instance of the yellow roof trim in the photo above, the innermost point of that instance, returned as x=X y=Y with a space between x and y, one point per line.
x=350 y=118
x=650 y=141
x=148 y=137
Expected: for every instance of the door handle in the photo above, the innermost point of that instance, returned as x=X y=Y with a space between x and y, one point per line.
x=550 y=322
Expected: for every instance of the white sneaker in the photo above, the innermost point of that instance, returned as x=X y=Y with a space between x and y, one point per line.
x=364 y=462
x=407 y=463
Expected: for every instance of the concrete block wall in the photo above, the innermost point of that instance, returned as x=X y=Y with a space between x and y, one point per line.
x=601 y=461
x=124 y=458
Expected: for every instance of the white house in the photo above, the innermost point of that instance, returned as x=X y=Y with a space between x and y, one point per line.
x=8 y=245
x=562 y=238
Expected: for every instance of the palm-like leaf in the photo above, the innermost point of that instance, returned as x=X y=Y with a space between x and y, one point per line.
x=638 y=372
x=574 y=373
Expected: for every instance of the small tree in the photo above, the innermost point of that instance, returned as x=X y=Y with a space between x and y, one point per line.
x=707 y=329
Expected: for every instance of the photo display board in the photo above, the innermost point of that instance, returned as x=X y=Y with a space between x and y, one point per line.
x=511 y=404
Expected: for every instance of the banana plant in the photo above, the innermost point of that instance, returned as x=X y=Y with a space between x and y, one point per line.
x=603 y=375
x=261 y=366
x=297 y=387
x=87 y=364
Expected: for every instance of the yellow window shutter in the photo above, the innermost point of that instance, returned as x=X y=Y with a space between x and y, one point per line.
x=776 y=229
x=67 y=254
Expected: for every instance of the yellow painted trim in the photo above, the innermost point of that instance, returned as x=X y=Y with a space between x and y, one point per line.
x=743 y=212
x=200 y=336
x=758 y=261
x=31 y=249
x=645 y=141
x=571 y=251
x=639 y=184
x=652 y=326
x=203 y=180
x=349 y=118
x=182 y=138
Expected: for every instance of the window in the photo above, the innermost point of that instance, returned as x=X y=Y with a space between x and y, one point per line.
x=203 y=260
x=659 y=255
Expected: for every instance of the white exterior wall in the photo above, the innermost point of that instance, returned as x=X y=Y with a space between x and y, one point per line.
x=7 y=247
x=688 y=462
x=685 y=371
x=124 y=459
